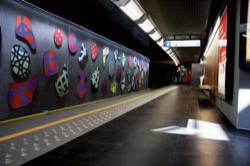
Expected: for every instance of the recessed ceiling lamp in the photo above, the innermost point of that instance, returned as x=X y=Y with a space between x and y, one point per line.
x=132 y=9
x=155 y=35
x=165 y=48
x=146 y=25
x=160 y=42
x=172 y=55
x=169 y=51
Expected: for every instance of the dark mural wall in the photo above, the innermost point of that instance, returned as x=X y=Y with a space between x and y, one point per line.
x=45 y=96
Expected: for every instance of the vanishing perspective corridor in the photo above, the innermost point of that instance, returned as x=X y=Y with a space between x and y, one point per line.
x=180 y=128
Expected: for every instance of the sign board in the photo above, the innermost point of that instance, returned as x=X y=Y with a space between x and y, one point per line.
x=222 y=53
x=182 y=43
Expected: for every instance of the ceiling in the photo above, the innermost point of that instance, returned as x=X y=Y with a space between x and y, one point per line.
x=106 y=19
x=180 y=17
x=172 y=17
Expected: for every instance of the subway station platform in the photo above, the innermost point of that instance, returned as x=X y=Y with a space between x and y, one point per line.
x=175 y=125
x=26 y=138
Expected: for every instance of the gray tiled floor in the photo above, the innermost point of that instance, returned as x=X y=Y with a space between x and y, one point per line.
x=129 y=140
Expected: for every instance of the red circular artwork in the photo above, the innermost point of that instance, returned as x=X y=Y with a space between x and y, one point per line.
x=72 y=43
x=130 y=61
x=94 y=51
x=58 y=37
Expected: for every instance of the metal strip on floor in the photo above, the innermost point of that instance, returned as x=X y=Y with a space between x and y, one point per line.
x=20 y=147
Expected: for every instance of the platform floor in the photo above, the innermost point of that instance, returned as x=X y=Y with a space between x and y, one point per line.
x=180 y=128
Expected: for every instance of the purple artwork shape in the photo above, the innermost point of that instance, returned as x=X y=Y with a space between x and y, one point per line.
x=21 y=94
x=81 y=87
x=104 y=84
x=118 y=72
x=50 y=65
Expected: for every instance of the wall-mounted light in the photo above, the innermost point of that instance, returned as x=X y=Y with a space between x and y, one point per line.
x=146 y=25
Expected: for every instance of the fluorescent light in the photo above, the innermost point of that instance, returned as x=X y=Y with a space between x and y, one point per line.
x=172 y=55
x=146 y=26
x=169 y=51
x=160 y=43
x=132 y=10
x=165 y=48
x=182 y=43
x=155 y=36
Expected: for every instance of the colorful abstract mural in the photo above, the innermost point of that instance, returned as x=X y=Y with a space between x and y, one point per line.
x=24 y=31
x=104 y=84
x=111 y=68
x=94 y=51
x=123 y=84
x=71 y=63
x=117 y=56
x=58 y=37
x=62 y=83
x=20 y=62
x=129 y=72
x=113 y=87
x=81 y=88
x=21 y=94
x=118 y=72
x=72 y=42
x=105 y=53
x=136 y=61
x=95 y=77
x=50 y=64
x=130 y=62
x=133 y=83
x=83 y=57
x=123 y=59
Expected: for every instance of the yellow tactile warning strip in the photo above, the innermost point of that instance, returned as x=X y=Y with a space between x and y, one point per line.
x=14 y=135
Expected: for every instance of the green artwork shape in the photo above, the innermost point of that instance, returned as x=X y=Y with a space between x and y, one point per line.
x=123 y=59
x=62 y=83
x=95 y=77
x=116 y=55
x=105 y=53
x=123 y=84
x=113 y=87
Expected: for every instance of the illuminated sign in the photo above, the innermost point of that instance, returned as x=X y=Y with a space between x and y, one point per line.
x=182 y=43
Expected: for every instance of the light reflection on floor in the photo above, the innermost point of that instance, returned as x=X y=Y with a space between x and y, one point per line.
x=199 y=128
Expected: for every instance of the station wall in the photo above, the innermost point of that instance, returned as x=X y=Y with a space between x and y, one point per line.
x=31 y=87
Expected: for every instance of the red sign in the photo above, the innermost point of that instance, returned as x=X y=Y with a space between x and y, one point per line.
x=223 y=37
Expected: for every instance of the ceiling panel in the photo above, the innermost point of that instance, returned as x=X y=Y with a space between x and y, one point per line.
x=180 y=17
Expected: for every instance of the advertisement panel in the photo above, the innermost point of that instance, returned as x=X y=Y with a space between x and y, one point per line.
x=247 y=59
x=222 y=53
